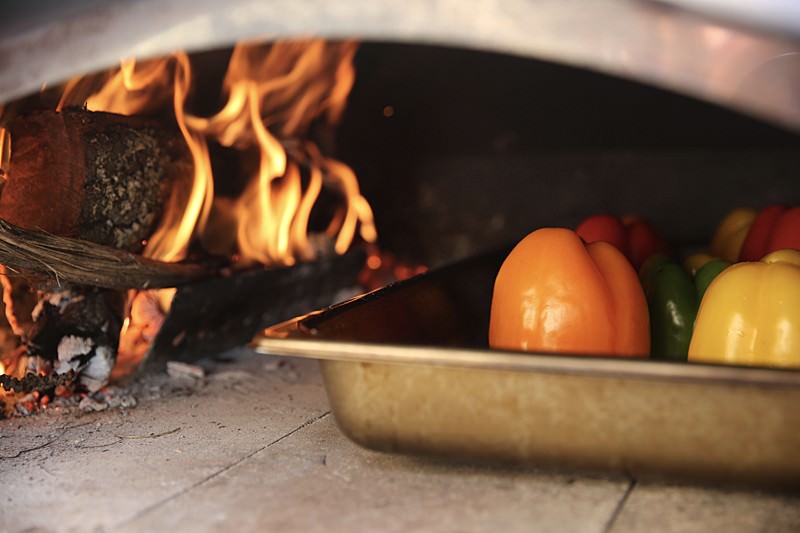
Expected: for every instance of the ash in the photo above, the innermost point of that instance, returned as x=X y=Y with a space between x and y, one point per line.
x=180 y=379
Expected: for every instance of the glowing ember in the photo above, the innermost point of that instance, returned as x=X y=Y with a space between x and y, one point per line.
x=383 y=268
x=146 y=315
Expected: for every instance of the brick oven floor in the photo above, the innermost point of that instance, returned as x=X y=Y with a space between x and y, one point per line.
x=253 y=447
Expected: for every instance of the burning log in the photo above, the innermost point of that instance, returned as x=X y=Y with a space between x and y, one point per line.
x=78 y=177
x=83 y=191
x=94 y=176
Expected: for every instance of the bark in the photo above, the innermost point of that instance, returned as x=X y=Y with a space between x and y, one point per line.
x=94 y=176
x=73 y=261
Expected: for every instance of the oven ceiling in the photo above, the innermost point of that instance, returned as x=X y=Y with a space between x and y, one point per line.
x=753 y=67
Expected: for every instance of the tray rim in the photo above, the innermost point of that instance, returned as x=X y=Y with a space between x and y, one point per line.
x=292 y=339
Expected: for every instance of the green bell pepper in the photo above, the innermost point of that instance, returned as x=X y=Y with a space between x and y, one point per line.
x=706 y=274
x=672 y=301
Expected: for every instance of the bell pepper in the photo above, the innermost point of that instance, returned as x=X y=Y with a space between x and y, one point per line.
x=750 y=314
x=776 y=227
x=555 y=293
x=643 y=240
x=706 y=274
x=631 y=234
x=608 y=228
x=695 y=262
x=672 y=300
x=731 y=232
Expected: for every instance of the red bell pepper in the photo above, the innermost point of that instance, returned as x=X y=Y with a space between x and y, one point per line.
x=776 y=227
x=632 y=235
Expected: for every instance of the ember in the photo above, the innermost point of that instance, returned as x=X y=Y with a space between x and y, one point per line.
x=382 y=268
x=276 y=96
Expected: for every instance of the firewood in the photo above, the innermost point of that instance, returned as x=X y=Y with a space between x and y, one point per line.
x=95 y=176
x=74 y=261
x=84 y=189
x=84 y=186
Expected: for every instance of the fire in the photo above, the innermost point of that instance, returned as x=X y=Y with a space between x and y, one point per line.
x=287 y=87
x=143 y=88
x=274 y=94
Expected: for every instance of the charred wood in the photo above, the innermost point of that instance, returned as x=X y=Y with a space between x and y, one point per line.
x=209 y=317
x=78 y=328
x=32 y=382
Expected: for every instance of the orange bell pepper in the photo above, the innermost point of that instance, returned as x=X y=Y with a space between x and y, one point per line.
x=554 y=293
x=750 y=314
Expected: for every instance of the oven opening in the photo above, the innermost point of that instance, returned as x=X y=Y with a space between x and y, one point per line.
x=167 y=209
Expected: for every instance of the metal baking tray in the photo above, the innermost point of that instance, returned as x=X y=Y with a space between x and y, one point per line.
x=407 y=369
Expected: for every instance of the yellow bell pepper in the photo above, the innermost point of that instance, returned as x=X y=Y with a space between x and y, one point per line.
x=750 y=314
x=731 y=232
x=695 y=262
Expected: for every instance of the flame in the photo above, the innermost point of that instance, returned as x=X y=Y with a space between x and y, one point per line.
x=134 y=88
x=171 y=239
x=274 y=94
x=5 y=151
x=143 y=88
x=286 y=87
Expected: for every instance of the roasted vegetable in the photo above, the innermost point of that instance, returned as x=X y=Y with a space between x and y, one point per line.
x=672 y=304
x=776 y=227
x=607 y=228
x=750 y=314
x=731 y=232
x=554 y=293
x=673 y=296
x=706 y=274
x=631 y=234
x=695 y=262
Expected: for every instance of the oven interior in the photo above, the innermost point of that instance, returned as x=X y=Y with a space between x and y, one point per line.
x=458 y=151
x=461 y=152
